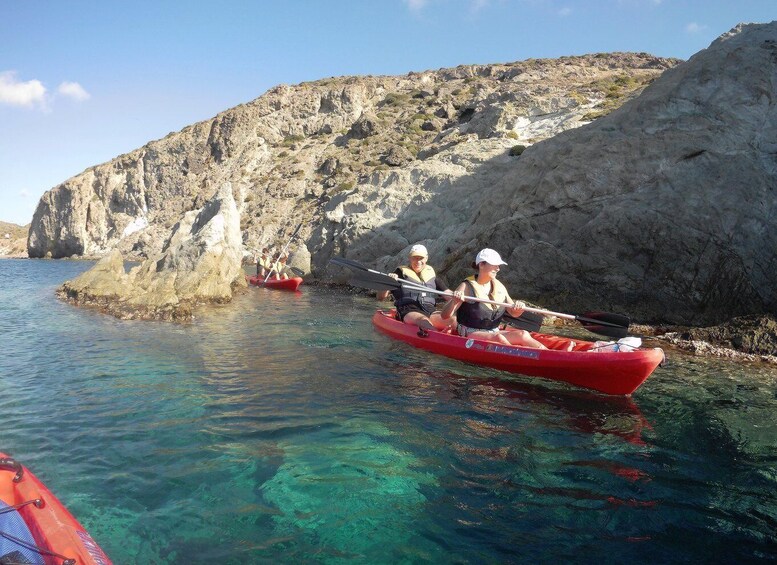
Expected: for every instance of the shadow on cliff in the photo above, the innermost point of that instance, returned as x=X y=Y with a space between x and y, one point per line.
x=664 y=209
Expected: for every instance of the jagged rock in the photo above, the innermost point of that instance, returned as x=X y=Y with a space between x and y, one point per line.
x=329 y=166
x=299 y=258
x=201 y=263
x=273 y=146
x=397 y=156
x=364 y=127
x=756 y=335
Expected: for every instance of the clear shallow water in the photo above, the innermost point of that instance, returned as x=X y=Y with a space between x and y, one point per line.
x=283 y=428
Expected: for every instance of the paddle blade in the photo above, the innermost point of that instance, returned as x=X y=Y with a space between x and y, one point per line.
x=605 y=323
x=375 y=281
x=343 y=262
x=529 y=321
x=608 y=331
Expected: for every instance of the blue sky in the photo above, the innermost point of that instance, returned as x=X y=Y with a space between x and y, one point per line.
x=84 y=81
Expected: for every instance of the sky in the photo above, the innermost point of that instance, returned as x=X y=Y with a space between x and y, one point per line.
x=83 y=81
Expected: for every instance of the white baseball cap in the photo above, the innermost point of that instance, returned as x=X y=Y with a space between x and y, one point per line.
x=488 y=256
x=418 y=250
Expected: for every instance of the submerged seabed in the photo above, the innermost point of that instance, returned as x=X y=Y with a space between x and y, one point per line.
x=283 y=428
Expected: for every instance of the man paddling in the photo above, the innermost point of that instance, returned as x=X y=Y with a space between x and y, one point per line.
x=414 y=306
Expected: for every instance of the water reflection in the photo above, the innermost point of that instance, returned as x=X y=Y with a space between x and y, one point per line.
x=582 y=411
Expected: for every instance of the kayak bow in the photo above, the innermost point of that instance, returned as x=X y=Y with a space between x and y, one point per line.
x=291 y=283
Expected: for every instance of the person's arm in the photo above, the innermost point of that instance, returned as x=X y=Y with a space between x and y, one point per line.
x=453 y=304
x=517 y=308
x=384 y=294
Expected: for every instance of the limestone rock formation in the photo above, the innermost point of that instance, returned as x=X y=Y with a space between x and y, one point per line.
x=664 y=209
x=295 y=148
x=13 y=240
x=658 y=202
x=200 y=263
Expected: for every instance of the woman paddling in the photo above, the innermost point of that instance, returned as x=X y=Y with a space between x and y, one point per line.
x=263 y=263
x=480 y=320
x=417 y=307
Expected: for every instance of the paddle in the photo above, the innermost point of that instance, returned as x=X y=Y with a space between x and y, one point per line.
x=529 y=321
x=269 y=271
x=604 y=323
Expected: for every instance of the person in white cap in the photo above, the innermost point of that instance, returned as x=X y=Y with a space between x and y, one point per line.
x=415 y=307
x=480 y=320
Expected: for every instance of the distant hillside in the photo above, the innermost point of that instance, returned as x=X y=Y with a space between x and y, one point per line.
x=13 y=240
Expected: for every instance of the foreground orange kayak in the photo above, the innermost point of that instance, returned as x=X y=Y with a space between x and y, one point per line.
x=278 y=284
x=35 y=527
x=611 y=372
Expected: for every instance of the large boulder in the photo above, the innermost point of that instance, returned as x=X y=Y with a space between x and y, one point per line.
x=201 y=263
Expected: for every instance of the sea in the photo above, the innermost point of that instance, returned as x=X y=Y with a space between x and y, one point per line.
x=282 y=428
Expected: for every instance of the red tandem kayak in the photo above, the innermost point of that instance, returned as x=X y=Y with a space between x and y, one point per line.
x=611 y=372
x=35 y=527
x=291 y=283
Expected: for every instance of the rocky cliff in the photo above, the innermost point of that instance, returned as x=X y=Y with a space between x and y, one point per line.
x=295 y=148
x=13 y=240
x=659 y=202
x=199 y=264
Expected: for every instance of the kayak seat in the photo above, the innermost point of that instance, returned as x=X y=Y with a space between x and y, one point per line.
x=13 y=528
x=14 y=558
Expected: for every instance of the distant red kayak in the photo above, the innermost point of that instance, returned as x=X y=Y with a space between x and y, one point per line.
x=35 y=527
x=611 y=372
x=278 y=284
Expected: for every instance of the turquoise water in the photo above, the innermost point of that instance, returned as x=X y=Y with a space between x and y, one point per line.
x=283 y=428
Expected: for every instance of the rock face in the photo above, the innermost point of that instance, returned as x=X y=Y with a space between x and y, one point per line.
x=665 y=208
x=13 y=240
x=661 y=205
x=294 y=148
x=200 y=263
x=756 y=335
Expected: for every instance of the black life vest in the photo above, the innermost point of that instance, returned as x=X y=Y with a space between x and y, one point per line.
x=479 y=314
x=406 y=296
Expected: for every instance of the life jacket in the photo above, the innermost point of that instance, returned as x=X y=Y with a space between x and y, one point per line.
x=425 y=300
x=479 y=314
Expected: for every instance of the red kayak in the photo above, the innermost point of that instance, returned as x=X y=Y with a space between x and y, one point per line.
x=611 y=372
x=35 y=527
x=291 y=283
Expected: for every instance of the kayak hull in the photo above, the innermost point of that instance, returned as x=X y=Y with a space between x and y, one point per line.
x=610 y=372
x=291 y=283
x=51 y=526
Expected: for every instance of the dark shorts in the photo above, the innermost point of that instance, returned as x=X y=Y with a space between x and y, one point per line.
x=403 y=310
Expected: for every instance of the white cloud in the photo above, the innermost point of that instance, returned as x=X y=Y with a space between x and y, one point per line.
x=416 y=5
x=564 y=12
x=24 y=193
x=73 y=90
x=477 y=5
x=17 y=93
x=693 y=27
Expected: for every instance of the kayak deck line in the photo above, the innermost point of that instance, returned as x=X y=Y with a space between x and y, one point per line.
x=35 y=527
x=610 y=372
